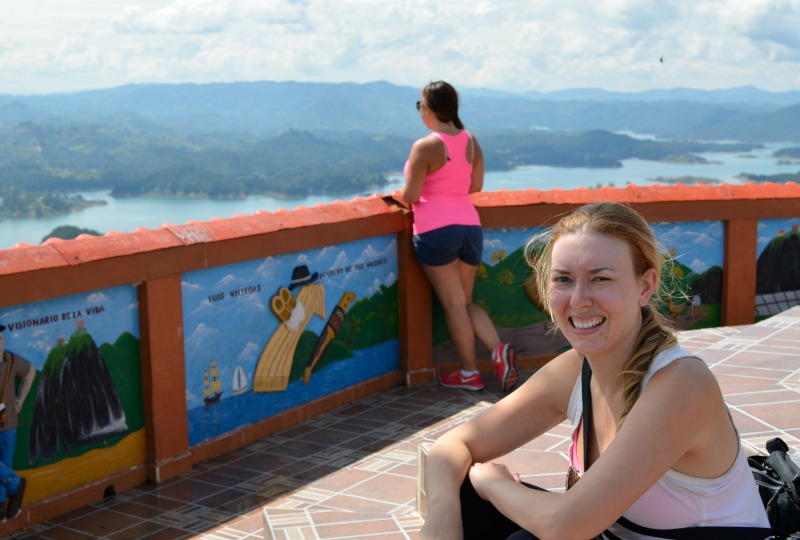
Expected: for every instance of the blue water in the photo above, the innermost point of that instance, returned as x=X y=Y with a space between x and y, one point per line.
x=232 y=412
x=125 y=215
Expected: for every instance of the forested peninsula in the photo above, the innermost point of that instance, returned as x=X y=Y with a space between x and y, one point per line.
x=15 y=203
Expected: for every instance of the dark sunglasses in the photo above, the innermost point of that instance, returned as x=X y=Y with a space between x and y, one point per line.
x=419 y=105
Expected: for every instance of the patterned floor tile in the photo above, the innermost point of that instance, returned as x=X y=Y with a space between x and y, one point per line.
x=357 y=478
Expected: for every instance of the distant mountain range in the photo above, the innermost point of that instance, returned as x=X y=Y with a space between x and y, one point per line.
x=266 y=109
x=297 y=139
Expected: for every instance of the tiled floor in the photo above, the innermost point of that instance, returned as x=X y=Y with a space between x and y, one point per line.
x=351 y=473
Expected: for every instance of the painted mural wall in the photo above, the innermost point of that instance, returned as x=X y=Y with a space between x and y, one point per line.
x=83 y=419
x=777 y=266
x=503 y=287
x=267 y=335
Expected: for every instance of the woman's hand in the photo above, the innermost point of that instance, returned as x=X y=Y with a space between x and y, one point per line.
x=483 y=475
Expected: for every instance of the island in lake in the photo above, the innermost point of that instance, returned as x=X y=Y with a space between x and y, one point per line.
x=15 y=203
x=687 y=180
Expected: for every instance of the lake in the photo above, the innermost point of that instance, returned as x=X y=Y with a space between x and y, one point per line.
x=125 y=215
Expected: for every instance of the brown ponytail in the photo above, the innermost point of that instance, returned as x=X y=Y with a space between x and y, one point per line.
x=442 y=100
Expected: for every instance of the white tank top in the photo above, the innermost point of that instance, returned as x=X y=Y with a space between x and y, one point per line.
x=679 y=500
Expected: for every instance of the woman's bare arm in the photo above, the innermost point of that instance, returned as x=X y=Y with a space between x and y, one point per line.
x=659 y=433
x=477 y=167
x=425 y=153
x=529 y=411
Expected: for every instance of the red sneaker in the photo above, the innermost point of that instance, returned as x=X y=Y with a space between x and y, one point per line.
x=505 y=365
x=457 y=380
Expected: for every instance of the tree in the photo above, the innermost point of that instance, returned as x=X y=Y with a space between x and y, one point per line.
x=68 y=232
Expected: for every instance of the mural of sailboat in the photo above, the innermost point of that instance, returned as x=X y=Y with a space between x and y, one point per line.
x=239 y=381
x=212 y=390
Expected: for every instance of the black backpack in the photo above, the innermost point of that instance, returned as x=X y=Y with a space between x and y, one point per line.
x=778 y=480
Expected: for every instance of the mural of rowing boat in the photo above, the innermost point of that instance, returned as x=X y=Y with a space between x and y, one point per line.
x=275 y=362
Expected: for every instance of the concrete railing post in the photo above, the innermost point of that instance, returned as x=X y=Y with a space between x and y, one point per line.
x=164 y=378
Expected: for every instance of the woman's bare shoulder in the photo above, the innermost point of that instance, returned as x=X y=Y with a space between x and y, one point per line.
x=686 y=369
x=690 y=377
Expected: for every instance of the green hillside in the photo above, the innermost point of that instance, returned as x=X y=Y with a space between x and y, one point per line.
x=40 y=161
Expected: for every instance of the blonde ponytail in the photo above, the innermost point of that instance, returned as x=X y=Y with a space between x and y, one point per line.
x=654 y=336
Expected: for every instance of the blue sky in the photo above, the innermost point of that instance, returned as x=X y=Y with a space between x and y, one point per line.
x=517 y=45
x=104 y=314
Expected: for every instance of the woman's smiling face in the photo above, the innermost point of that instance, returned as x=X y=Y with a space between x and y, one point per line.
x=595 y=295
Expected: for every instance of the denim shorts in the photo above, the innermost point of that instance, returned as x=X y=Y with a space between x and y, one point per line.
x=446 y=244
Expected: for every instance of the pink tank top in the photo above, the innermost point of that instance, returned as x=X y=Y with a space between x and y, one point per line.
x=445 y=193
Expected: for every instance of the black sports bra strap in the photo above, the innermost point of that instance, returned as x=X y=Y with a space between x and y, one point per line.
x=586 y=396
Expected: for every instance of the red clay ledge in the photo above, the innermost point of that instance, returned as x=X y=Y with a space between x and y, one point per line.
x=86 y=248
x=53 y=253
x=640 y=194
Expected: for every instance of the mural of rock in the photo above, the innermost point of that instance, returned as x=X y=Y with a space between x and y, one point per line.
x=76 y=401
x=778 y=266
x=708 y=286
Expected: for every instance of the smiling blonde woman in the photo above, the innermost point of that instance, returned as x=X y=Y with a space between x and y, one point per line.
x=659 y=447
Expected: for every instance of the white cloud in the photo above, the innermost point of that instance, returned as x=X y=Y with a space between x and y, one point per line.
x=373 y=288
x=369 y=253
x=515 y=45
x=491 y=245
x=74 y=55
x=341 y=260
x=97 y=298
x=698 y=266
x=179 y=17
x=704 y=239
x=269 y=267
x=226 y=280
x=776 y=23
x=248 y=353
x=203 y=331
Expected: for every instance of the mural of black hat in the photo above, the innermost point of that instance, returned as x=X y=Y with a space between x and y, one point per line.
x=301 y=276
